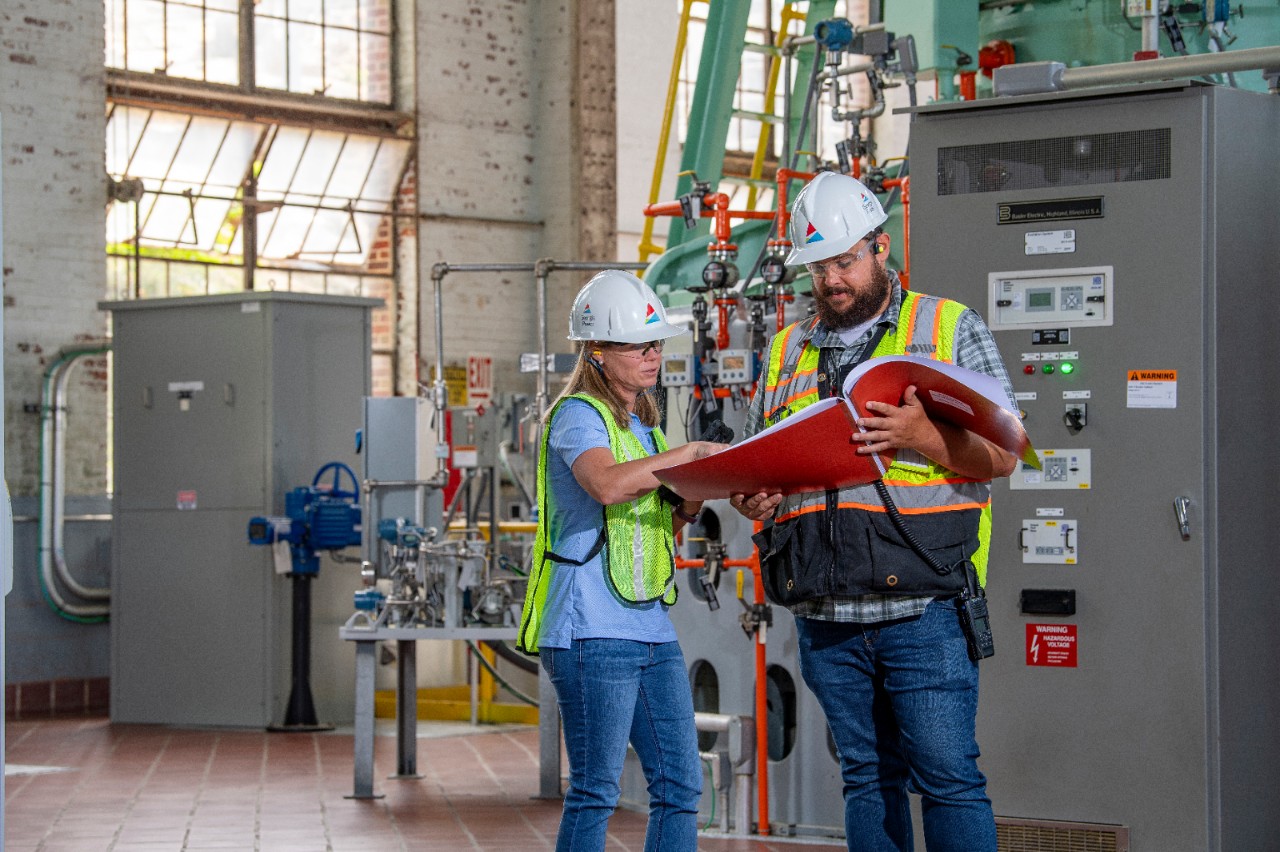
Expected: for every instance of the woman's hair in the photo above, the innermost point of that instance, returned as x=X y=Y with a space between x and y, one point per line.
x=588 y=377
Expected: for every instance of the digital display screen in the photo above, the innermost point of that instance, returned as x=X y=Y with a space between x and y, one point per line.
x=734 y=362
x=676 y=365
x=1039 y=300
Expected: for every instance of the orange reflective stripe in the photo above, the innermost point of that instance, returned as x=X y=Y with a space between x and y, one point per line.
x=877 y=507
x=945 y=339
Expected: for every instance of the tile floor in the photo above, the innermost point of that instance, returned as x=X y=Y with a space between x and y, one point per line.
x=85 y=785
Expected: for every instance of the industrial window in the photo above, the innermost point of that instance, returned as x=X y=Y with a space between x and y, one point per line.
x=331 y=48
x=254 y=144
x=319 y=195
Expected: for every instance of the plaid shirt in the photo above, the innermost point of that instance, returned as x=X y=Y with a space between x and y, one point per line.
x=976 y=350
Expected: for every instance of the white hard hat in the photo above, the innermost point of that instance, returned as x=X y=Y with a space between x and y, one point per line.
x=618 y=307
x=830 y=215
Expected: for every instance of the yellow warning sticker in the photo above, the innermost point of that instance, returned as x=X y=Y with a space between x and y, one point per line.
x=1152 y=389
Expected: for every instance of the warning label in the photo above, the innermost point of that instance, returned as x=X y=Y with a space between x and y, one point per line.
x=1051 y=645
x=1152 y=389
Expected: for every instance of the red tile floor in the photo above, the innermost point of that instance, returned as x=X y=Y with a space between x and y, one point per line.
x=85 y=785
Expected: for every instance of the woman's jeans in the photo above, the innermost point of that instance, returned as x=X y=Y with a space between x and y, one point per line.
x=611 y=691
x=901 y=699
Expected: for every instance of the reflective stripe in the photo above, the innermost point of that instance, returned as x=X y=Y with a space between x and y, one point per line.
x=642 y=572
x=926 y=327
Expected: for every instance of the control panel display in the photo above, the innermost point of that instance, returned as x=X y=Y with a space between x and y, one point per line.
x=677 y=371
x=1064 y=298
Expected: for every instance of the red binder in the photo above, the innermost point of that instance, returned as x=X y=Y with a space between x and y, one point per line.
x=815 y=449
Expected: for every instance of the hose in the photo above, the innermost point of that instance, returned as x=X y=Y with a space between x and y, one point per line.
x=502 y=682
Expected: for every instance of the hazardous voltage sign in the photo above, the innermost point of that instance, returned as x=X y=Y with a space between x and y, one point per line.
x=1051 y=645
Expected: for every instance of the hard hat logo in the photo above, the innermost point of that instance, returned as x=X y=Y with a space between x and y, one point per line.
x=628 y=311
x=831 y=214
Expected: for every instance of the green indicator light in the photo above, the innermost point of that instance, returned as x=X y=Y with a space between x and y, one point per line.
x=1048 y=368
x=1067 y=368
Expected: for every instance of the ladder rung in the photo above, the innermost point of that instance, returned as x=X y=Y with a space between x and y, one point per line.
x=758 y=183
x=762 y=117
x=766 y=49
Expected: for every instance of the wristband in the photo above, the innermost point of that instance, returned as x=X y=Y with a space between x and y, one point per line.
x=680 y=513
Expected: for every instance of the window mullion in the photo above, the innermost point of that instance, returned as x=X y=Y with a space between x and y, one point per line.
x=248 y=47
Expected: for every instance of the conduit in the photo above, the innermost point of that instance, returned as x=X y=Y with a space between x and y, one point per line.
x=52 y=494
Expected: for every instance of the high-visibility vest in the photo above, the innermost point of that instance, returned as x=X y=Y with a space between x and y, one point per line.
x=926 y=327
x=636 y=537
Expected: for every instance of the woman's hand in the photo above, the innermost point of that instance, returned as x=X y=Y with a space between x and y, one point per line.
x=702 y=449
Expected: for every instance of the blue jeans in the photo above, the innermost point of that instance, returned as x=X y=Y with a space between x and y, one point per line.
x=901 y=698
x=611 y=691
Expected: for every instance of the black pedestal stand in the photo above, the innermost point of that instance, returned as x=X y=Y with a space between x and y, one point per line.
x=300 y=717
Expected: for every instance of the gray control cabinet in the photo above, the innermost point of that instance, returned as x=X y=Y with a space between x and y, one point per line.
x=221 y=405
x=1147 y=714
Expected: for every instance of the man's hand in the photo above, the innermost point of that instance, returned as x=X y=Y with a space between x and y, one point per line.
x=756 y=507
x=906 y=426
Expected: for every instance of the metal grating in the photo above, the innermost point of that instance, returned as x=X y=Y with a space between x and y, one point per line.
x=1056 y=162
x=1033 y=835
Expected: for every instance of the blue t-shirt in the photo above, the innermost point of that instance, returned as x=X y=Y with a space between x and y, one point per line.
x=581 y=604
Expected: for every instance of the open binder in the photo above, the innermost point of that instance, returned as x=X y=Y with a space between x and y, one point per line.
x=816 y=448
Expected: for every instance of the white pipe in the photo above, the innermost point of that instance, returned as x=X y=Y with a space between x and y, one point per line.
x=52 y=486
x=1036 y=77
x=742 y=751
x=60 y=486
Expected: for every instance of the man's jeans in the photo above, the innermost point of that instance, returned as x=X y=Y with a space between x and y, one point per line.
x=901 y=698
x=611 y=691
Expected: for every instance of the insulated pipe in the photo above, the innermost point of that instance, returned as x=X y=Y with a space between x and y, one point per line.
x=1055 y=77
x=1196 y=65
x=60 y=480
x=51 y=510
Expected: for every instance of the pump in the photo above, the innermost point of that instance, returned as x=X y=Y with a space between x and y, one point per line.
x=317 y=517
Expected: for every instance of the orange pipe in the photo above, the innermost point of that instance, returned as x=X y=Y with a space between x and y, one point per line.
x=715 y=205
x=762 y=705
x=779 y=308
x=718 y=393
x=784 y=178
x=683 y=563
x=752 y=564
x=722 y=326
x=969 y=85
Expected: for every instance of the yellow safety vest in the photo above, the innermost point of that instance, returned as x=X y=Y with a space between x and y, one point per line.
x=920 y=487
x=637 y=537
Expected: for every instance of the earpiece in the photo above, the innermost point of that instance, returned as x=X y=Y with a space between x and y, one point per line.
x=596 y=353
x=879 y=249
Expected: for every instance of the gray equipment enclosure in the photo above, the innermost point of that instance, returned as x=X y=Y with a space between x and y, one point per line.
x=1131 y=234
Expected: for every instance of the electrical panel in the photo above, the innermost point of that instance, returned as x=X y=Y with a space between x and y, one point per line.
x=1119 y=243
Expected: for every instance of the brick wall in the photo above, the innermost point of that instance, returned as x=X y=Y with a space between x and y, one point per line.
x=51 y=100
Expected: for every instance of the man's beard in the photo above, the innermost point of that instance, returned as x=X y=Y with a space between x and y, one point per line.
x=866 y=305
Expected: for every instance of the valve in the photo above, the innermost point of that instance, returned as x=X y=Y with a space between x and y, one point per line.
x=774 y=270
x=719 y=274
